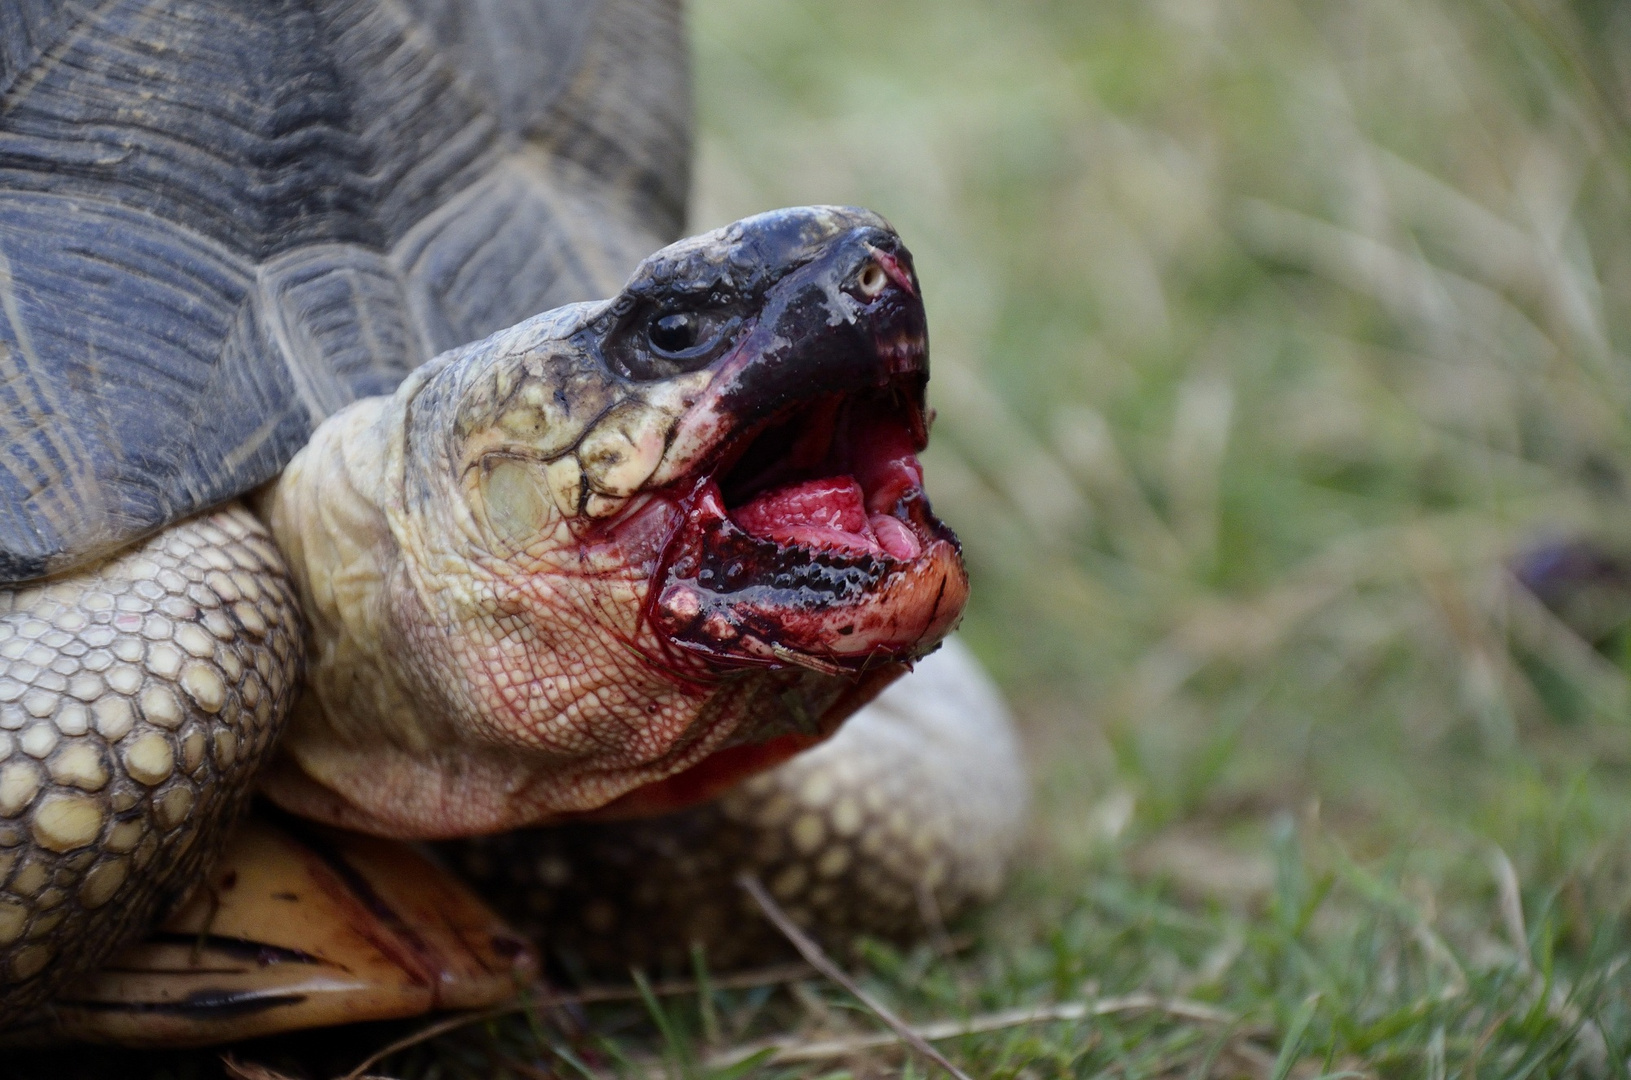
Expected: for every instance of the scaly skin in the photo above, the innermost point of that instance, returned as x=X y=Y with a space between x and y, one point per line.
x=532 y=589
x=457 y=689
x=905 y=817
x=137 y=701
x=478 y=553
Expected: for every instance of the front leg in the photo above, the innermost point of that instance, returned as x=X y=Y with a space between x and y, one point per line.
x=138 y=699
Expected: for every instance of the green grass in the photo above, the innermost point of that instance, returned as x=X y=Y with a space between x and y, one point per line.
x=1265 y=336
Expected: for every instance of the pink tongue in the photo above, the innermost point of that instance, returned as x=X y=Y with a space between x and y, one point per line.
x=833 y=502
x=827 y=513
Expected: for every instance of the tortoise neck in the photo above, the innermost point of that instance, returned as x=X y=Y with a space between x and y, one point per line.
x=329 y=513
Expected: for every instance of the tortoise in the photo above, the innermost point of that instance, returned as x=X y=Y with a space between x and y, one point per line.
x=273 y=530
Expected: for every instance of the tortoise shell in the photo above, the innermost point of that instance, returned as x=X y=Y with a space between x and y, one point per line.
x=222 y=220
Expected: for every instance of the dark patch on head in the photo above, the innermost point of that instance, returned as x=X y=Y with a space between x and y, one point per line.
x=814 y=336
x=687 y=308
x=748 y=256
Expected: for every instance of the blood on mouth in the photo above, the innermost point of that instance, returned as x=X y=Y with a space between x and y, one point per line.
x=830 y=514
x=838 y=485
x=811 y=542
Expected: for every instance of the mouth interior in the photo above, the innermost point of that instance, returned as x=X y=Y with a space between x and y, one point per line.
x=835 y=476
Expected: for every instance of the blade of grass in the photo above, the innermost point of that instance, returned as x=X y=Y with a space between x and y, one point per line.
x=706 y=1010
x=1294 y=1038
x=545 y=998
x=819 y=960
x=678 y=1050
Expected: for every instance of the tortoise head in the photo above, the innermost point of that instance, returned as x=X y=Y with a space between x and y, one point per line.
x=623 y=553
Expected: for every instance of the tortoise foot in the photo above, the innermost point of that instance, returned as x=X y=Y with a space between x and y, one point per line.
x=300 y=926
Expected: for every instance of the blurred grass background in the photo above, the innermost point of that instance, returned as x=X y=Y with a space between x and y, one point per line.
x=1268 y=339
x=1280 y=352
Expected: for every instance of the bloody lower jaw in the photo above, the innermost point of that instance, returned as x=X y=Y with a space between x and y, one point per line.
x=814 y=547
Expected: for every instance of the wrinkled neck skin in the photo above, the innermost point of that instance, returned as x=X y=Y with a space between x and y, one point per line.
x=480 y=664
x=477 y=554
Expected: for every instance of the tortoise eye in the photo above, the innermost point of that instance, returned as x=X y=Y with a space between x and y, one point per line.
x=659 y=345
x=675 y=333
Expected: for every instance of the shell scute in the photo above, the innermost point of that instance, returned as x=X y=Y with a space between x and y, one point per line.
x=220 y=222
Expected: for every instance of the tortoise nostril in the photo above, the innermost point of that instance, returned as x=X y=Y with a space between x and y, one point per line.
x=872 y=280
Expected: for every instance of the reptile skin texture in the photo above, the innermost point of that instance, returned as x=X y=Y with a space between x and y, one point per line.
x=904 y=818
x=136 y=703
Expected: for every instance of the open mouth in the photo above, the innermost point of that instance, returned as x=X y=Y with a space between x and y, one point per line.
x=810 y=541
x=835 y=478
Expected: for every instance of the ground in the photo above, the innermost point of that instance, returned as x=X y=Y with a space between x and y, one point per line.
x=1275 y=345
